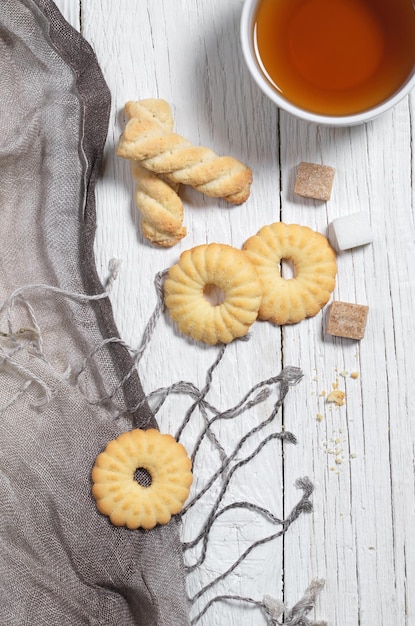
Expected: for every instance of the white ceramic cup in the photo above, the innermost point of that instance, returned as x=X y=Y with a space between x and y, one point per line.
x=251 y=59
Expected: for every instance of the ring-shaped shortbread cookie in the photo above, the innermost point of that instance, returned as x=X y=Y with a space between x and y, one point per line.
x=198 y=270
x=122 y=498
x=290 y=300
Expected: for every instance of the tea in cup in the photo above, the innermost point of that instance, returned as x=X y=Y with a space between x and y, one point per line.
x=337 y=62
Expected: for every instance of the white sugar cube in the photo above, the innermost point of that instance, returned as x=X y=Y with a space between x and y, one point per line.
x=350 y=231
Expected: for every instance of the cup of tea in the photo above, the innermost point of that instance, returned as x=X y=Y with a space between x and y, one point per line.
x=333 y=62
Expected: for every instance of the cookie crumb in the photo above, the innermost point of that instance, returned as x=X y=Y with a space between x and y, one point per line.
x=337 y=396
x=354 y=375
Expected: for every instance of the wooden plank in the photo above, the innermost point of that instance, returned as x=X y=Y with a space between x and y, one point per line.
x=71 y=11
x=358 y=537
x=157 y=50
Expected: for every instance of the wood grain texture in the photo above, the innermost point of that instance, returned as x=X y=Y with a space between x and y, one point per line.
x=359 y=536
x=71 y=10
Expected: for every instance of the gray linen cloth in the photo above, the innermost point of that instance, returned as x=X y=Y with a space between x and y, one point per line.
x=61 y=397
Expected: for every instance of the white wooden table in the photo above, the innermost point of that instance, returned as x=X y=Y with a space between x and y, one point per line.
x=360 y=536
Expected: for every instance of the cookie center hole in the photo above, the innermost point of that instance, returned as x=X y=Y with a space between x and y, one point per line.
x=287 y=269
x=214 y=294
x=143 y=477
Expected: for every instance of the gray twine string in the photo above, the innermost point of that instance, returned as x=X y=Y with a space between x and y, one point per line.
x=136 y=354
x=24 y=338
x=274 y=609
x=289 y=376
x=303 y=506
x=14 y=341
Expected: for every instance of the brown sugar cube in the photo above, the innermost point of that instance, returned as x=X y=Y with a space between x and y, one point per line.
x=314 y=181
x=347 y=320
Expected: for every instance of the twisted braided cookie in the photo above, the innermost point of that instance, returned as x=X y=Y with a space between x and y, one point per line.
x=163 y=152
x=156 y=198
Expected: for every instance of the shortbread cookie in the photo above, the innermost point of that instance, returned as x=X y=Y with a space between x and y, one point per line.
x=198 y=271
x=157 y=200
x=287 y=301
x=121 y=496
x=163 y=152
